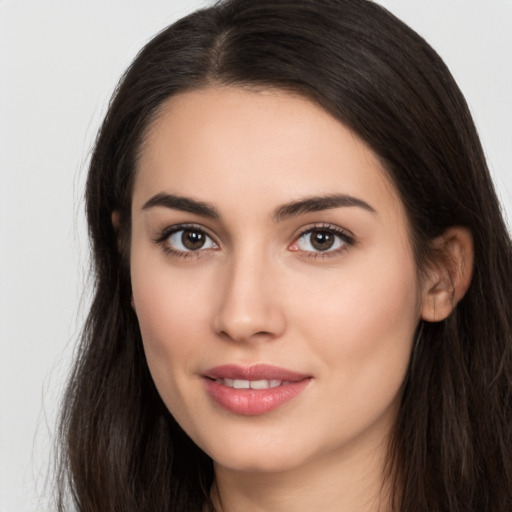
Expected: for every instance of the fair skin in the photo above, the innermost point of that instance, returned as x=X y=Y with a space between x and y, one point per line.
x=327 y=290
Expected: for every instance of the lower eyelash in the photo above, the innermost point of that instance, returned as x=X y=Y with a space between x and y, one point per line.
x=179 y=254
x=346 y=237
x=168 y=231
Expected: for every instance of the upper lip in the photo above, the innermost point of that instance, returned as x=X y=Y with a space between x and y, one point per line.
x=254 y=372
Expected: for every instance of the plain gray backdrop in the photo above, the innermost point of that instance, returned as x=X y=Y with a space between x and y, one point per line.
x=59 y=62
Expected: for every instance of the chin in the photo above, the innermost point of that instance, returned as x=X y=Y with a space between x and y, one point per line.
x=256 y=462
x=260 y=456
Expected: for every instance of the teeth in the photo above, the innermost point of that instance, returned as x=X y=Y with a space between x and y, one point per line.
x=262 y=384
x=250 y=384
x=241 y=384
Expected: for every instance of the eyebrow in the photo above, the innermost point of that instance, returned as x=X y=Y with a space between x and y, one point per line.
x=319 y=203
x=291 y=209
x=183 y=204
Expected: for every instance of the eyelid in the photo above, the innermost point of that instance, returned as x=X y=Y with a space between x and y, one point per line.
x=168 y=231
x=347 y=238
x=345 y=235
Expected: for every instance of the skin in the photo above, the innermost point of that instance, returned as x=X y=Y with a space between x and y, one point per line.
x=259 y=293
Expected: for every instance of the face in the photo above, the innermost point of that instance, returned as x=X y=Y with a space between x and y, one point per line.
x=273 y=279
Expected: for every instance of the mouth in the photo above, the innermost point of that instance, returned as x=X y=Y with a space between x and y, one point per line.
x=252 y=384
x=253 y=390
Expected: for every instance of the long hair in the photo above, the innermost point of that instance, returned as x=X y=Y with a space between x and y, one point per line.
x=451 y=446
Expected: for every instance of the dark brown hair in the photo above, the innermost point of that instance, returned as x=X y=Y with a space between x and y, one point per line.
x=451 y=446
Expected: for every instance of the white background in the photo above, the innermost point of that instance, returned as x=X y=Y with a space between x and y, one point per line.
x=59 y=62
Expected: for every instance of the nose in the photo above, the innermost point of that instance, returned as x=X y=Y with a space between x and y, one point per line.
x=250 y=305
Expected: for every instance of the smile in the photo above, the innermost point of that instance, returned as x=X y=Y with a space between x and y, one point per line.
x=251 y=384
x=253 y=390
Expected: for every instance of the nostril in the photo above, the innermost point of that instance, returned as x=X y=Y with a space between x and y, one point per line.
x=248 y=309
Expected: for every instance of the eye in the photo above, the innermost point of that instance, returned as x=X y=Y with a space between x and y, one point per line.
x=322 y=239
x=185 y=239
x=190 y=240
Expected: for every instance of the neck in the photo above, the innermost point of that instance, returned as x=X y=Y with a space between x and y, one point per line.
x=344 y=480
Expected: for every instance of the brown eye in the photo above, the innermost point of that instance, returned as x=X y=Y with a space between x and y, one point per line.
x=318 y=240
x=188 y=240
x=322 y=240
x=193 y=240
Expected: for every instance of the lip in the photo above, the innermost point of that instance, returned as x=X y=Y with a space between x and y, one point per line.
x=254 y=372
x=252 y=402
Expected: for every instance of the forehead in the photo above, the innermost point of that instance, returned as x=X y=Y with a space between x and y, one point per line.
x=228 y=143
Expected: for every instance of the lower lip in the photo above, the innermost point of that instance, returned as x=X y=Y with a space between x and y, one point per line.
x=251 y=402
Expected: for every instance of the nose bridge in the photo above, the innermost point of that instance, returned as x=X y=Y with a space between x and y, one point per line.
x=249 y=303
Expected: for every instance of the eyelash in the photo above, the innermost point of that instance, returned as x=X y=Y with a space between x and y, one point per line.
x=346 y=238
x=163 y=238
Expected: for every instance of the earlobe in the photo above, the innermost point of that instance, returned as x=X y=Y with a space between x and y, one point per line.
x=450 y=275
x=116 y=225
x=115 y=220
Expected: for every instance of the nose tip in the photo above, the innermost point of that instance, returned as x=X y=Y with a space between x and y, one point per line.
x=242 y=329
x=249 y=307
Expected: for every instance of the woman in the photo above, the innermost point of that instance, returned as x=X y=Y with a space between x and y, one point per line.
x=303 y=296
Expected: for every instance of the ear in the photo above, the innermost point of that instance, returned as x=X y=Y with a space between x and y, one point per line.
x=115 y=220
x=116 y=224
x=449 y=277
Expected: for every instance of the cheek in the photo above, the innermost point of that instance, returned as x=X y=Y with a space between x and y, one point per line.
x=363 y=323
x=171 y=314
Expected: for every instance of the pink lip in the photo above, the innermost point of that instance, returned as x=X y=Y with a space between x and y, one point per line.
x=254 y=372
x=252 y=402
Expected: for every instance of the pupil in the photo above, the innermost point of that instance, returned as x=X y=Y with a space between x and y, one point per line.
x=322 y=240
x=193 y=240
